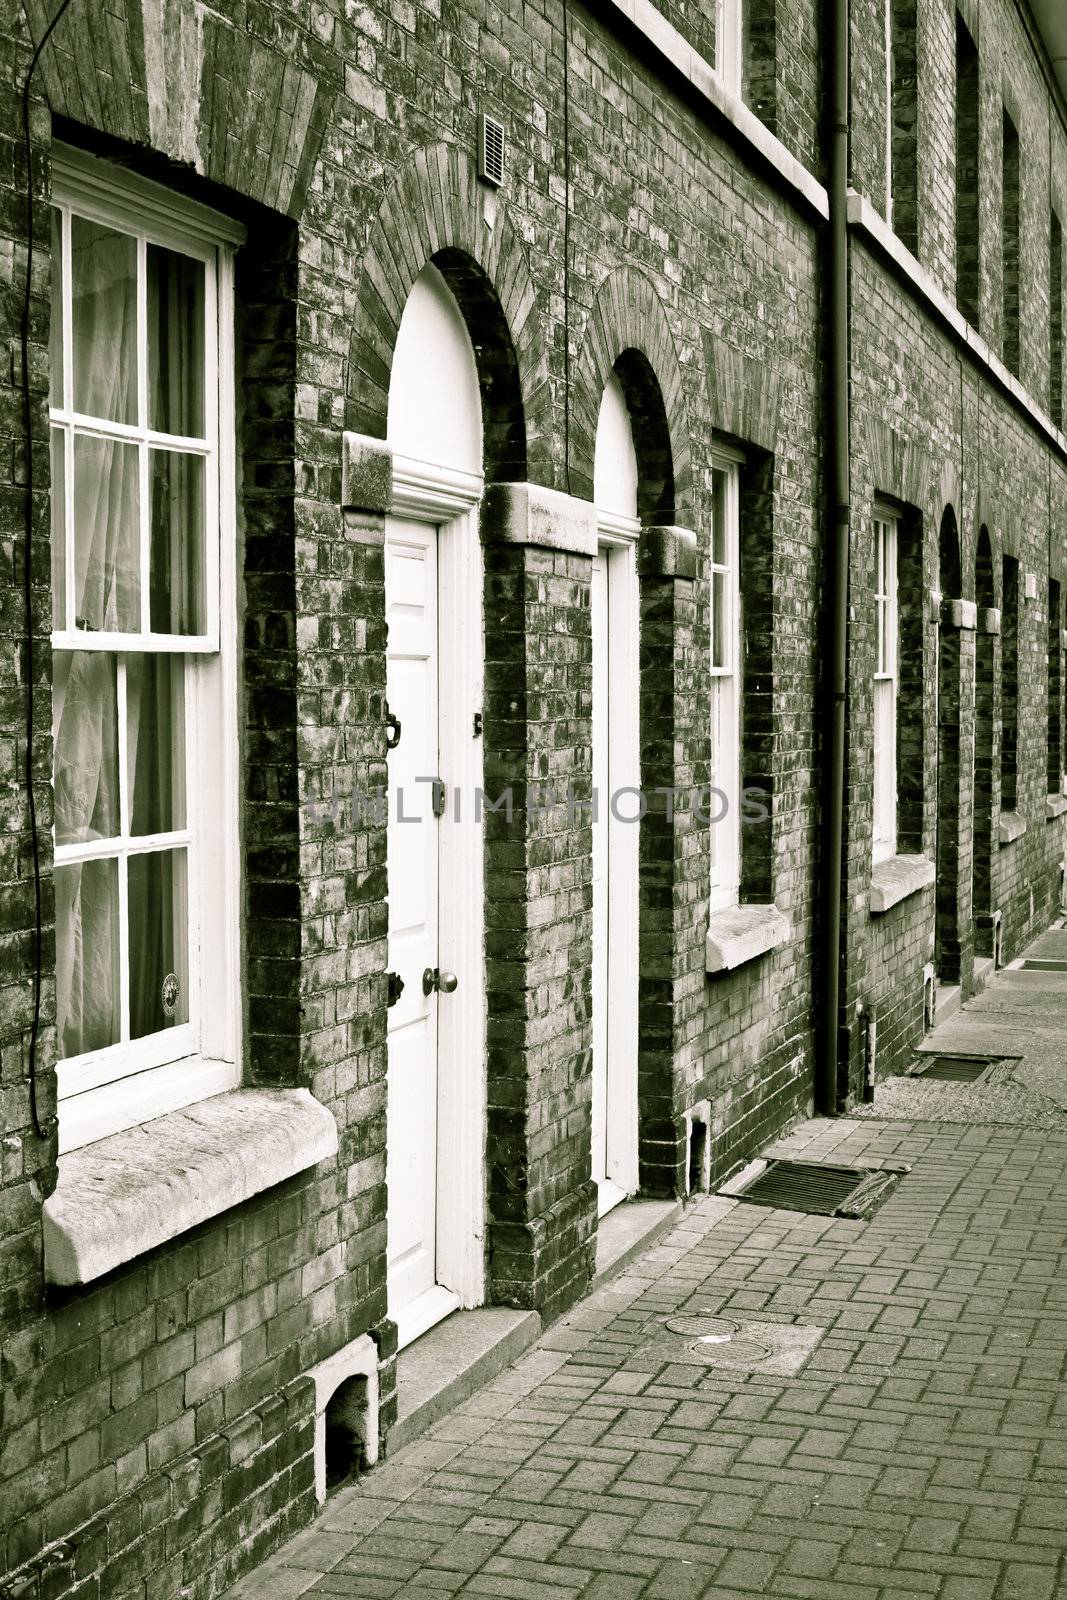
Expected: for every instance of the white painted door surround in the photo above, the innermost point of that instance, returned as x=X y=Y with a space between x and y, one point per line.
x=616 y=777
x=435 y=1140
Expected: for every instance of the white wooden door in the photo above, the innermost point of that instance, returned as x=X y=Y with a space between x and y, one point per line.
x=598 y=605
x=414 y=865
x=613 y=608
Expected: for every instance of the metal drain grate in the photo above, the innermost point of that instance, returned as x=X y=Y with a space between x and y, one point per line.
x=955 y=1069
x=814 y=1187
x=1037 y=965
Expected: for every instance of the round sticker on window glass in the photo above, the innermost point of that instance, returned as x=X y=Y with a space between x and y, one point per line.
x=172 y=991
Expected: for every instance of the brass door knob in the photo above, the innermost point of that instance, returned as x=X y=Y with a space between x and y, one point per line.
x=444 y=982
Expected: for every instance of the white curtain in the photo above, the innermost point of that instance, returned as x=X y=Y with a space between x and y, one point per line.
x=106 y=582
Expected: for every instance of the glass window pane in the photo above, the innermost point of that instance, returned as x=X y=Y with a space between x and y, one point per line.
x=59 y=529
x=175 y=342
x=718 y=518
x=107 y=585
x=719 y=647
x=104 y=311
x=85 y=759
x=155 y=733
x=55 y=337
x=88 y=994
x=177 y=592
x=159 y=940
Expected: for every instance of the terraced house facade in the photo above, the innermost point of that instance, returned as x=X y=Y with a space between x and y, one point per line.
x=534 y=653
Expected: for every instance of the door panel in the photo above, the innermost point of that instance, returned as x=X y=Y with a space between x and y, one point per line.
x=413 y=849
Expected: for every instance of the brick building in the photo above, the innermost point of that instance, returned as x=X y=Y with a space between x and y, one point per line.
x=354 y=468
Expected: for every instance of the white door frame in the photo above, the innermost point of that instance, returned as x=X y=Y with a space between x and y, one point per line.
x=427 y=492
x=618 y=535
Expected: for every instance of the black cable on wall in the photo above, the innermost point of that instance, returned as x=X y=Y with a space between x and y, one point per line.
x=42 y=1126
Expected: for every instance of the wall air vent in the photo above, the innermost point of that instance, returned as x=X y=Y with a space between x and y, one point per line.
x=491 y=151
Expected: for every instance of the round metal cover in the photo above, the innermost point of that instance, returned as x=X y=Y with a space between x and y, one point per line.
x=709 y=1330
x=737 y=1353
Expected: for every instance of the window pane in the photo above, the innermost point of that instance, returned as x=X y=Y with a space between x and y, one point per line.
x=177 y=581
x=59 y=529
x=88 y=995
x=155 y=733
x=85 y=761
x=718 y=518
x=719 y=646
x=159 y=969
x=55 y=338
x=107 y=586
x=175 y=342
x=104 y=310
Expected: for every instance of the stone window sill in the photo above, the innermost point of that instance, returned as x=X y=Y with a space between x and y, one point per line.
x=895 y=878
x=1055 y=806
x=1012 y=826
x=126 y=1194
x=741 y=933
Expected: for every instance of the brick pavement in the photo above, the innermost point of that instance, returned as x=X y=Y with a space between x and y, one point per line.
x=921 y=1451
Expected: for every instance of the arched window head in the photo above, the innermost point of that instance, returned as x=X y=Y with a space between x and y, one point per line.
x=435 y=410
x=615 y=462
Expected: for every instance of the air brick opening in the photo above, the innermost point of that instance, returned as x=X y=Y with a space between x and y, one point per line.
x=346 y=1429
x=698 y=1149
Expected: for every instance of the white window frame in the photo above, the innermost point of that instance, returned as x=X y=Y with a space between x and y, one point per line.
x=725 y=696
x=886 y=683
x=105 y=1091
x=729 y=43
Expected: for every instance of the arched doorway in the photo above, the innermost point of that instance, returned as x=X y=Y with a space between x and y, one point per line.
x=436 y=1050
x=949 y=789
x=614 y=616
x=984 y=726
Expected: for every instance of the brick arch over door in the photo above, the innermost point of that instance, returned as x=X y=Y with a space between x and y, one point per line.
x=433 y=213
x=628 y=334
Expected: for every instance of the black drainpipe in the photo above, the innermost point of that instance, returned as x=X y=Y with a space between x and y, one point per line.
x=839 y=505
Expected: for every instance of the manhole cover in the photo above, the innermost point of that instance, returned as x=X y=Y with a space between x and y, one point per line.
x=811 y=1186
x=735 y=1353
x=708 y=1330
x=776 y=1349
x=955 y=1069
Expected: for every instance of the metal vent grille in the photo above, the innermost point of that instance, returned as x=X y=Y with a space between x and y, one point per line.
x=491 y=150
x=1036 y=965
x=814 y=1187
x=954 y=1069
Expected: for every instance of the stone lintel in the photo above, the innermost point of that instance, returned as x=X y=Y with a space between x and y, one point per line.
x=962 y=614
x=124 y=1195
x=527 y=513
x=895 y=878
x=1055 y=806
x=667 y=552
x=1012 y=826
x=989 y=619
x=741 y=933
x=366 y=473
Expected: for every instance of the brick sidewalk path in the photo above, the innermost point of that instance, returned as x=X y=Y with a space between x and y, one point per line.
x=922 y=1449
